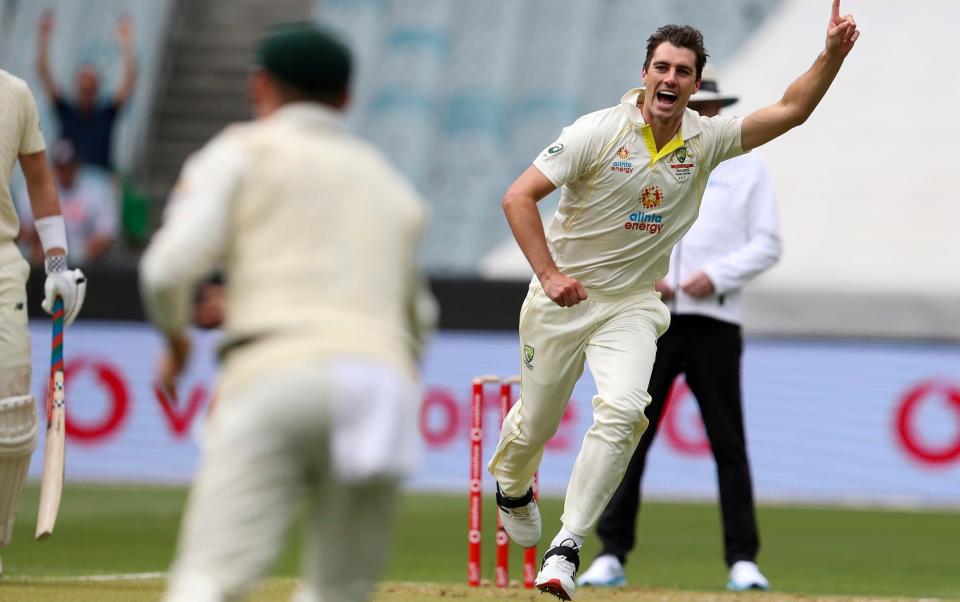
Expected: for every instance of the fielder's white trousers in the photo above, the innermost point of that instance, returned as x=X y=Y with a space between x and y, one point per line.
x=284 y=442
x=617 y=335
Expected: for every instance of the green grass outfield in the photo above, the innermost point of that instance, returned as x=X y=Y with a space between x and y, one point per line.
x=807 y=552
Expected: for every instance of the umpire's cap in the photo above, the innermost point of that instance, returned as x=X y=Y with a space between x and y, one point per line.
x=306 y=57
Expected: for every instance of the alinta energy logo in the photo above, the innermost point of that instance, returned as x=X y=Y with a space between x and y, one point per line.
x=622 y=165
x=651 y=197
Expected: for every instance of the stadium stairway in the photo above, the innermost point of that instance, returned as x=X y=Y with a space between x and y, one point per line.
x=203 y=81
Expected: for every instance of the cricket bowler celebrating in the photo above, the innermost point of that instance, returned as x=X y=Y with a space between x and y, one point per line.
x=632 y=178
x=20 y=139
x=325 y=317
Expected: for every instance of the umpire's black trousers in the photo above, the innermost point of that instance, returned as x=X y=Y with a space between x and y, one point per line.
x=708 y=352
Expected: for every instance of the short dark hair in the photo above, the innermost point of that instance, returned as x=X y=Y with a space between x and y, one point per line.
x=681 y=36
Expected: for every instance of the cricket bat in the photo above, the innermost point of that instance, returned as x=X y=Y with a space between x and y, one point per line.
x=51 y=481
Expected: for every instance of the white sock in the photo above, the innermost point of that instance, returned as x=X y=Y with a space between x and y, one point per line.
x=564 y=537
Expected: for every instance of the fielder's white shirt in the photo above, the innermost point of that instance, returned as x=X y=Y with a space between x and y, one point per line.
x=736 y=237
x=19 y=135
x=623 y=203
x=318 y=235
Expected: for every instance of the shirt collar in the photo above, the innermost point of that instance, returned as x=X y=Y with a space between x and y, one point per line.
x=689 y=126
x=309 y=114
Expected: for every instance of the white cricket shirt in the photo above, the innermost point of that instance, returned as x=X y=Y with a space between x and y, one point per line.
x=623 y=203
x=318 y=236
x=19 y=135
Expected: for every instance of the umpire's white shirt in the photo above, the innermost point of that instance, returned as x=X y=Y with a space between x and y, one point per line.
x=736 y=237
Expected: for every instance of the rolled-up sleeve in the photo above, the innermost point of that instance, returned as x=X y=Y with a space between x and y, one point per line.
x=570 y=155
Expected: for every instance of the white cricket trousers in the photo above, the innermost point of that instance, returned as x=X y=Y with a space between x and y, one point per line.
x=14 y=330
x=18 y=411
x=617 y=336
x=337 y=436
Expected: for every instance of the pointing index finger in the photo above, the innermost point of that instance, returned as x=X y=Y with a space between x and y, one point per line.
x=836 y=10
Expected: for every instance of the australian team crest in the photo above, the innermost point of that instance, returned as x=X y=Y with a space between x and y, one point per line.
x=528 y=352
x=683 y=164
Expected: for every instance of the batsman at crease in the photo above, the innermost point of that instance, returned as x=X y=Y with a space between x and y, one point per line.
x=21 y=140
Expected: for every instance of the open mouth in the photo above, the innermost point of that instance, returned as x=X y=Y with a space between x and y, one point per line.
x=667 y=98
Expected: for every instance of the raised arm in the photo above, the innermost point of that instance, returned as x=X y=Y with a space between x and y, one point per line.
x=805 y=92
x=520 y=207
x=126 y=44
x=43 y=55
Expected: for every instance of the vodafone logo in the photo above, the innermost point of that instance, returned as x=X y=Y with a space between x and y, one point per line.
x=912 y=433
x=681 y=424
x=440 y=418
x=107 y=378
x=99 y=402
x=444 y=421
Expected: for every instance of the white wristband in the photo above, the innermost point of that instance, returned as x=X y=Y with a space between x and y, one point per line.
x=52 y=232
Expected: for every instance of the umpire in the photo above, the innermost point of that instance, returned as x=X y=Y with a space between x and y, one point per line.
x=735 y=239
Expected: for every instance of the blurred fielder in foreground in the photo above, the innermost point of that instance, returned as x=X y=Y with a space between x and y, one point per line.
x=632 y=178
x=20 y=139
x=325 y=318
x=736 y=237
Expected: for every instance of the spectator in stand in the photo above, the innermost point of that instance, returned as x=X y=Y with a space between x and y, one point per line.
x=87 y=120
x=89 y=204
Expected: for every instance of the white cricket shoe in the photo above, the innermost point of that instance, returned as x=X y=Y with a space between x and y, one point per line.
x=606 y=571
x=520 y=517
x=560 y=564
x=745 y=575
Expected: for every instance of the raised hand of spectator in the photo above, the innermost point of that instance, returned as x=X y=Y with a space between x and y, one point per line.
x=124 y=35
x=46 y=25
x=124 y=32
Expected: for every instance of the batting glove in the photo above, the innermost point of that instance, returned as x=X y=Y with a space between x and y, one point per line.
x=69 y=285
